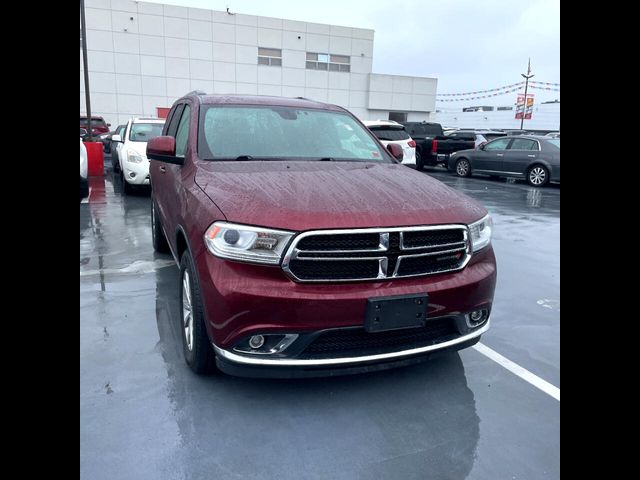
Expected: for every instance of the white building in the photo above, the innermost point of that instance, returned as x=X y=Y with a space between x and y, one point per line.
x=143 y=56
x=544 y=116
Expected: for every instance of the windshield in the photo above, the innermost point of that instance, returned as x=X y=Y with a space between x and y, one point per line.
x=278 y=133
x=555 y=142
x=143 y=132
x=390 y=133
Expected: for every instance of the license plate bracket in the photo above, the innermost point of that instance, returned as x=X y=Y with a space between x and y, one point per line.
x=393 y=313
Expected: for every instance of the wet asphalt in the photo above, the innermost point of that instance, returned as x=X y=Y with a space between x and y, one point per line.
x=144 y=415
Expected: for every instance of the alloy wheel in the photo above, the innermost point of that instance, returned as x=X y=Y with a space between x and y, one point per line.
x=462 y=168
x=537 y=176
x=187 y=313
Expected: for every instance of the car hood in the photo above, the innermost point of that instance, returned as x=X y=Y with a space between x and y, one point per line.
x=307 y=195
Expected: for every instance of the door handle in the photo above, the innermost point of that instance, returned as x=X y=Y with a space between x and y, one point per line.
x=532 y=156
x=163 y=169
x=499 y=154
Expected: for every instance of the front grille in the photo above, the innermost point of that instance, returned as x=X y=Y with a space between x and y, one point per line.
x=334 y=270
x=376 y=254
x=357 y=342
x=432 y=238
x=367 y=241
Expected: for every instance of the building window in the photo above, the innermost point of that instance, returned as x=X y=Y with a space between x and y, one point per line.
x=325 y=61
x=270 y=56
x=502 y=109
x=398 y=116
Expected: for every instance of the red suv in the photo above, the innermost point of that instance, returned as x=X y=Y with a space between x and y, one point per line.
x=305 y=248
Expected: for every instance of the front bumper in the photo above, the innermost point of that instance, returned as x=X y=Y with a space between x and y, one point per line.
x=245 y=366
x=136 y=173
x=241 y=300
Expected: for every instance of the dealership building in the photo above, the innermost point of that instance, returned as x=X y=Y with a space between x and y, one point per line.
x=143 y=56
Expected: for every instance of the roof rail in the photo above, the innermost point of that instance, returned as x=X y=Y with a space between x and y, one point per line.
x=197 y=92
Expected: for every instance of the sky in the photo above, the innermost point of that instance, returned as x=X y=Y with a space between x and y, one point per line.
x=468 y=45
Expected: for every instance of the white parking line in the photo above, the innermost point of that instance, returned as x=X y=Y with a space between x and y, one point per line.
x=523 y=373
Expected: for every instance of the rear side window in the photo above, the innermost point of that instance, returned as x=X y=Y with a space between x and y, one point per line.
x=390 y=133
x=182 y=134
x=523 y=144
x=416 y=130
x=500 y=144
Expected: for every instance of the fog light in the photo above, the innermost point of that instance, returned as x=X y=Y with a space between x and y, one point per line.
x=132 y=174
x=476 y=318
x=256 y=341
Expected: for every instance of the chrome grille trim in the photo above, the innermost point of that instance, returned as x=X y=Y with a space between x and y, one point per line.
x=293 y=253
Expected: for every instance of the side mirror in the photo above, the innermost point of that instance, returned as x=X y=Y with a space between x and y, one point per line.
x=108 y=124
x=396 y=151
x=163 y=149
x=116 y=138
x=481 y=146
x=83 y=132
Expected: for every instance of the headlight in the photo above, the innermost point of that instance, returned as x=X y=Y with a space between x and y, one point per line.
x=481 y=233
x=134 y=157
x=246 y=244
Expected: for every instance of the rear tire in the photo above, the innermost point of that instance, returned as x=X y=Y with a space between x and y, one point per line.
x=419 y=162
x=463 y=168
x=159 y=240
x=537 y=176
x=198 y=352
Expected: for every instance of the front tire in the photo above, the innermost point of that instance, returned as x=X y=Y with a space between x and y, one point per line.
x=127 y=188
x=463 y=168
x=538 y=176
x=198 y=352
x=159 y=240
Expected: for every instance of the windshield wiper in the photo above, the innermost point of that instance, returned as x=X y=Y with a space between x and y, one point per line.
x=244 y=157
x=327 y=159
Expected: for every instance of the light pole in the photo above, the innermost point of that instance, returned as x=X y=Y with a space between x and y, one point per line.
x=526 y=87
x=86 y=70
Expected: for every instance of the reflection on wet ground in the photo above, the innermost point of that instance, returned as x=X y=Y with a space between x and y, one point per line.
x=145 y=415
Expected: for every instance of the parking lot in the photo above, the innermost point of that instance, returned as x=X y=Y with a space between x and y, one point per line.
x=144 y=414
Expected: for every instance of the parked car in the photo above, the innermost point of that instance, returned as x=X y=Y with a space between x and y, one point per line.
x=388 y=132
x=304 y=248
x=553 y=135
x=481 y=136
x=517 y=132
x=98 y=125
x=534 y=158
x=131 y=151
x=115 y=159
x=105 y=138
x=433 y=147
x=84 y=176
